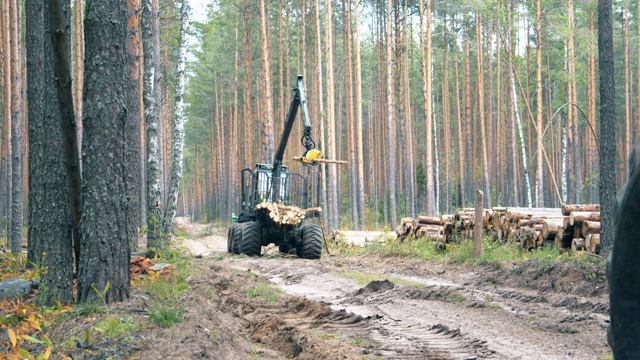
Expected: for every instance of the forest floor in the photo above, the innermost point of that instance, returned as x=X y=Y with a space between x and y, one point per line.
x=373 y=306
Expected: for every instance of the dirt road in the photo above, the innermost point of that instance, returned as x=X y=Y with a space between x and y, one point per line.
x=393 y=308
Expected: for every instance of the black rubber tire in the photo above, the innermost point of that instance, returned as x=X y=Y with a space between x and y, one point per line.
x=284 y=248
x=232 y=229
x=237 y=238
x=251 y=244
x=311 y=242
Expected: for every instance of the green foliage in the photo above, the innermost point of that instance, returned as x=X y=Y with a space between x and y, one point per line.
x=166 y=316
x=265 y=291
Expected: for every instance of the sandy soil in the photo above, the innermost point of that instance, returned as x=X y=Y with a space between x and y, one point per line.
x=415 y=310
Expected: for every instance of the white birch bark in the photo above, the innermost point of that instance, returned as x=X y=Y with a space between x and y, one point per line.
x=177 y=131
x=154 y=209
x=523 y=148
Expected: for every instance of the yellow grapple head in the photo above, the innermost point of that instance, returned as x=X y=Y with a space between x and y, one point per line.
x=310 y=156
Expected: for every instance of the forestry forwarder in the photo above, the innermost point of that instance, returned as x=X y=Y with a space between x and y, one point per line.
x=273 y=184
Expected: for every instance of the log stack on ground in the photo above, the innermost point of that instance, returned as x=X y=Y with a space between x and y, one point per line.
x=526 y=227
x=284 y=214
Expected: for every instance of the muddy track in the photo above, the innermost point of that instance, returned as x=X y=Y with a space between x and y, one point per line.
x=424 y=310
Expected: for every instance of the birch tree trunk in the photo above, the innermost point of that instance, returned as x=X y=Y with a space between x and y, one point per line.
x=177 y=125
x=268 y=140
x=15 y=236
x=155 y=238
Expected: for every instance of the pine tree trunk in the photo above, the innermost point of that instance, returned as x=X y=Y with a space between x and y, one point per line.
x=360 y=181
x=105 y=225
x=332 y=195
x=268 y=141
x=481 y=101
x=425 y=36
x=607 y=139
x=627 y=99
x=539 y=168
x=178 y=124
x=49 y=182
x=79 y=69
x=133 y=110
x=461 y=148
x=6 y=104
x=246 y=88
x=15 y=236
x=391 y=156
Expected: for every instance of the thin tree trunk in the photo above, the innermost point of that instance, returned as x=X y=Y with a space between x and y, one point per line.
x=391 y=156
x=461 y=147
x=178 y=124
x=268 y=140
x=359 y=142
x=539 y=168
x=246 y=90
x=627 y=99
x=425 y=36
x=15 y=236
x=155 y=238
x=79 y=70
x=481 y=100
x=133 y=110
x=6 y=103
x=332 y=195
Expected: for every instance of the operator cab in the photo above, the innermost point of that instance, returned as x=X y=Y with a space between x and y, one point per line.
x=264 y=186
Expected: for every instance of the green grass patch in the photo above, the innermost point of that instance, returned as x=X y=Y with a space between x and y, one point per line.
x=265 y=291
x=364 y=278
x=166 y=316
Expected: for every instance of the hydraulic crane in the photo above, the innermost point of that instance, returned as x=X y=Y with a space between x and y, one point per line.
x=273 y=183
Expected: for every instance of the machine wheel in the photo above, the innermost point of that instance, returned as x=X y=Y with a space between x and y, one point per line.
x=311 y=242
x=236 y=241
x=232 y=229
x=251 y=244
x=284 y=248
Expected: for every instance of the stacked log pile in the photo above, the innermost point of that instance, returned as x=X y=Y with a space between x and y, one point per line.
x=284 y=214
x=574 y=227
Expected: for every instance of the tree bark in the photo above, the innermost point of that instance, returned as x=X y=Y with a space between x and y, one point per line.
x=425 y=37
x=15 y=235
x=359 y=142
x=332 y=194
x=477 y=227
x=106 y=223
x=391 y=155
x=79 y=71
x=481 y=100
x=155 y=237
x=52 y=145
x=133 y=109
x=268 y=140
x=607 y=124
x=539 y=168
x=178 y=124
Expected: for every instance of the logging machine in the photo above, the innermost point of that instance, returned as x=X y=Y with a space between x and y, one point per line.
x=274 y=202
